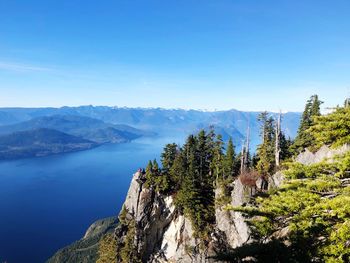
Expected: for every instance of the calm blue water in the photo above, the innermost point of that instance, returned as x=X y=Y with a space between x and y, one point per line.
x=47 y=203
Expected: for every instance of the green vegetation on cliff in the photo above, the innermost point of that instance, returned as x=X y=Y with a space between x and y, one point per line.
x=107 y=251
x=123 y=250
x=307 y=219
x=332 y=129
x=191 y=172
x=309 y=216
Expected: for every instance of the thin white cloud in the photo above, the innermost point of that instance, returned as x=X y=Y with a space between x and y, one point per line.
x=21 y=67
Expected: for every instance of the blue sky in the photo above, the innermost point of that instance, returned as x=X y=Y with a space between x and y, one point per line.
x=208 y=54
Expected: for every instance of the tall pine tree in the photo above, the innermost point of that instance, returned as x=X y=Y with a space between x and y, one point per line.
x=218 y=158
x=332 y=129
x=304 y=139
x=230 y=162
x=265 y=150
x=168 y=156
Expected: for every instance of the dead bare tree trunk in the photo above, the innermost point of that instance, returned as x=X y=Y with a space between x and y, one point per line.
x=245 y=151
x=246 y=154
x=277 y=142
x=242 y=157
x=347 y=103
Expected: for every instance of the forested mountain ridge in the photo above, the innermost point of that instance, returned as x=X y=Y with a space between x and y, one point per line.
x=209 y=202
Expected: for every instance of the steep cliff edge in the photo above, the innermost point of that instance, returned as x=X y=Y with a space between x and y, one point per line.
x=164 y=235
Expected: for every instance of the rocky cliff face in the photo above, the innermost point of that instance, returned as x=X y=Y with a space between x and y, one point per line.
x=232 y=224
x=152 y=214
x=163 y=235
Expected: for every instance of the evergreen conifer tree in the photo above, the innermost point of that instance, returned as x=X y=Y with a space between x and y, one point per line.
x=331 y=129
x=303 y=138
x=168 y=156
x=149 y=175
x=265 y=150
x=230 y=166
x=218 y=160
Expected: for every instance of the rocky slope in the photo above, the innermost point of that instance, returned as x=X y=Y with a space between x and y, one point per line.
x=85 y=250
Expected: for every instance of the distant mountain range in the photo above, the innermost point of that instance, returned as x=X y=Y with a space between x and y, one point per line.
x=40 y=142
x=102 y=124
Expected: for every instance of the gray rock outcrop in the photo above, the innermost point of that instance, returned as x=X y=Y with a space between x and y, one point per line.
x=308 y=158
x=230 y=223
x=323 y=153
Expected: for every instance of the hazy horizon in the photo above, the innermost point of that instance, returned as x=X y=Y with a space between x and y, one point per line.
x=148 y=108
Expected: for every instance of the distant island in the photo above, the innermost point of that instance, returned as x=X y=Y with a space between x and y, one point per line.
x=40 y=142
x=47 y=135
